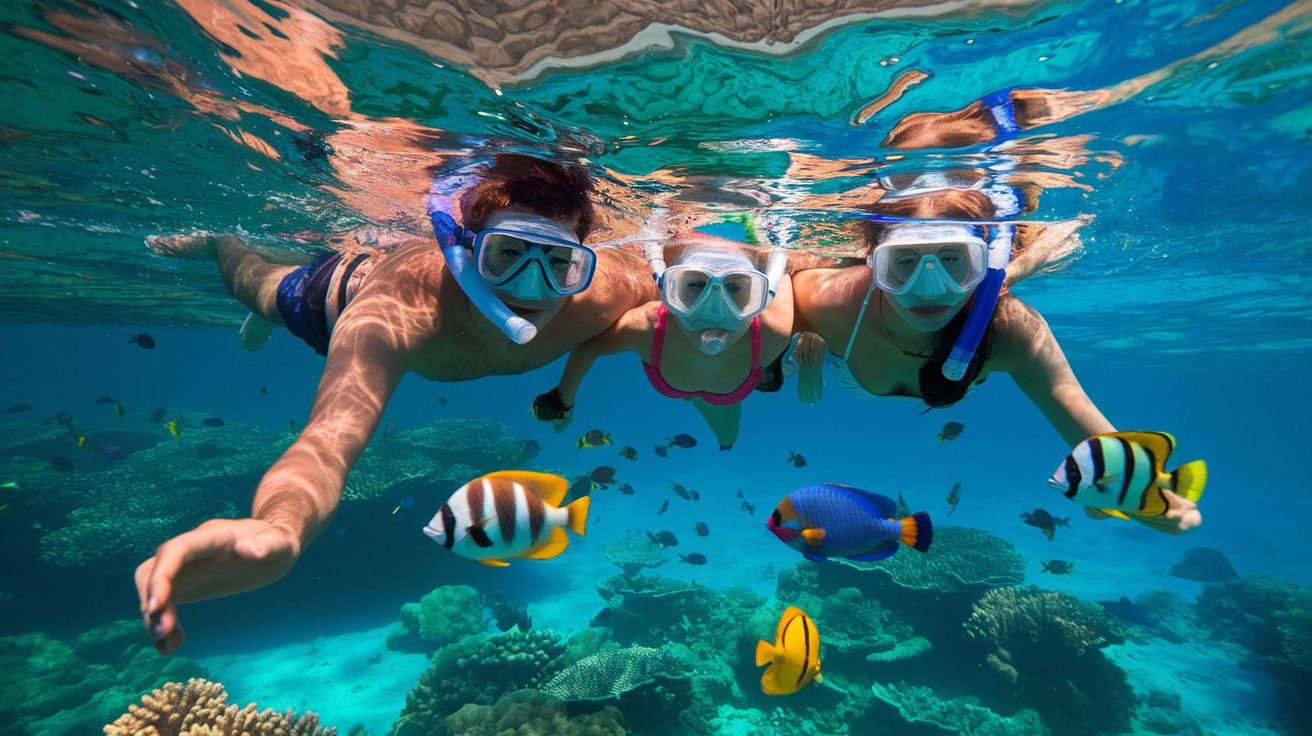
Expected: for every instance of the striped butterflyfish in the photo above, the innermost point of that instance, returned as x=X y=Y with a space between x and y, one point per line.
x=509 y=513
x=1123 y=473
x=794 y=658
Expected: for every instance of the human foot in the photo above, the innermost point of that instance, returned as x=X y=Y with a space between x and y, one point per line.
x=198 y=246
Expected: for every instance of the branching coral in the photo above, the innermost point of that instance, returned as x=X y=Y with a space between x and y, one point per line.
x=632 y=554
x=611 y=674
x=200 y=708
x=1045 y=648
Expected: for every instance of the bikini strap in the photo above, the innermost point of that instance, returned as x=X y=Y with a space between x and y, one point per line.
x=658 y=337
x=859 y=317
x=756 y=344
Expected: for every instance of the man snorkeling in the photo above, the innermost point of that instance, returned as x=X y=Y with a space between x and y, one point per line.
x=510 y=289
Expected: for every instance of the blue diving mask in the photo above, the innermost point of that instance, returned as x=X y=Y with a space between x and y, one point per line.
x=533 y=258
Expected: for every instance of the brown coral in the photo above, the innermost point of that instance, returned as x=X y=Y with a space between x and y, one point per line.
x=200 y=708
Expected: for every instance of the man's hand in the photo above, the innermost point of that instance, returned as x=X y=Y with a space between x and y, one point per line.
x=218 y=558
x=549 y=407
x=1181 y=515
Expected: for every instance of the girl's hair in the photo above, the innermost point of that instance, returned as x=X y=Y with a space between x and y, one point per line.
x=951 y=204
x=546 y=188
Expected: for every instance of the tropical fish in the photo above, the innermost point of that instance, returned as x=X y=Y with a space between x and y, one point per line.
x=405 y=504
x=1058 y=567
x=841 y=521
x=106 y=400
x=1045 y=522
x=681 y=440
x=175 y=428
x=954 y=497
x=702 y=529
x=798 y=461
x=663 y=539
x=664 y=507
x=740 y=493
x=119 y=410
x=693 y=558
x=903 y=509
x=749 y=508
x=62 y=464
x=508 y=613
x=81 y=440
x=158 y=415
x=509 y=513
x=951 y=431
x=694 y=495
x=143 y=340
x=627 y=489
x=628 y=453
x=1127 y=610
x=1123 y=473
x=17 y=409
x=680 y=491
x=264 y=389
x=594 y=438
x=1206 y=565
x=661 y=451
x=390 y=429
x=794 y=658
x=212 y=422
x=581 y=487
x=441 y=401
x=602 y=477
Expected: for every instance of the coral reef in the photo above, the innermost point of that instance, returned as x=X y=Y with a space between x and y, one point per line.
x=634 y=553
x=651 y=610
x=613 y=673
x=480 y=670
x=530 y=712
x=1160 y=713
x=444 y=616
x=56 y=688
x=447 y=449
x=911 y=705
x=1044 y=648
x=961 y=558
x=200 y=708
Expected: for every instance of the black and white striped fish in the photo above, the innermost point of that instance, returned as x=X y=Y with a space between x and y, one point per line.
x=1124 y=473
x=509 y=513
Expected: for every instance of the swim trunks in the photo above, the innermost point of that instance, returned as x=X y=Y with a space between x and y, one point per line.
x=307 y=302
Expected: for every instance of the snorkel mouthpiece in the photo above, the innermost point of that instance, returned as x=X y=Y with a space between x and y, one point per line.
x=714 y=341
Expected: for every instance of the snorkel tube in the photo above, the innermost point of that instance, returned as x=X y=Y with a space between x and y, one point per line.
x=984 y=301
x=451 y=238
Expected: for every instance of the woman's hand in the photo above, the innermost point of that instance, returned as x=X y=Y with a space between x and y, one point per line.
x=218 y=558
x=810 y=357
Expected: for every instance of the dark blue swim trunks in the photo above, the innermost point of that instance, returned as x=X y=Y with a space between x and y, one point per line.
x=301 y=296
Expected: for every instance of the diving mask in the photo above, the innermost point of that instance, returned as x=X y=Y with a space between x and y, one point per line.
x=928 y=260
x=715 y=289
x=533 y=258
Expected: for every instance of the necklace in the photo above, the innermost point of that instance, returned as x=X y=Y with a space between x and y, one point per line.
x=893 y=342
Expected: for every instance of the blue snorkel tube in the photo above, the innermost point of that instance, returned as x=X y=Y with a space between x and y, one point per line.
x=982 y=304
x=452 y=239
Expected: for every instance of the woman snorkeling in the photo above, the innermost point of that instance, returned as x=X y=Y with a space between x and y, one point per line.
x=918 y=320
x=722 y=317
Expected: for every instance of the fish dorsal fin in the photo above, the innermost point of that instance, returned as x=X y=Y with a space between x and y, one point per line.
x=814 y=537
x=550 y=488
x=1160 y=444
x=554 y=545
x=884 y=506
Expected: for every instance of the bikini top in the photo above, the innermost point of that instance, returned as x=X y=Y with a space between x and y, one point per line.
x=653 y=369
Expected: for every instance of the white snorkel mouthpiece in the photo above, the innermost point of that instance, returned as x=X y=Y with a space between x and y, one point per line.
x=714 y=341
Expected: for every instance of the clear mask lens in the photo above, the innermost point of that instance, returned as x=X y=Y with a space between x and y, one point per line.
x=504 y=257
x=739 y=294
x=935 y=267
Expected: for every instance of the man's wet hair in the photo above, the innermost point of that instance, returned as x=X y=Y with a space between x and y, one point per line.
x=549 y=189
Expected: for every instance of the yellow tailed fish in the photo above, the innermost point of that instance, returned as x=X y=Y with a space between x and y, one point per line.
x=794 y=658
x=1122 y=473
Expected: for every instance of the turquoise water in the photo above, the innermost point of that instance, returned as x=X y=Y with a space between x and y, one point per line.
x=1187 y=310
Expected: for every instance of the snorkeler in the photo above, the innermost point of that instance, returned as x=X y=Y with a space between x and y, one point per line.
x=732 y=316
x=919 y=320
x=511 y=289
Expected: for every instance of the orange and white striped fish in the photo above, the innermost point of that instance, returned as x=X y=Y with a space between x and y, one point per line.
x=509 y=513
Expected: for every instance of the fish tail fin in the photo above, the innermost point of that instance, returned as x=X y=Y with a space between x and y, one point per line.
x=940 y=439
x=918 y=531
x=580 y=445
x=1045 y=567
x=578 y=515
x=764 y=653
x=1189 y=479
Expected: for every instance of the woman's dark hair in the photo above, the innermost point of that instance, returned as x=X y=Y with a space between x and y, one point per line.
x=955 y=204
x=549 y=189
